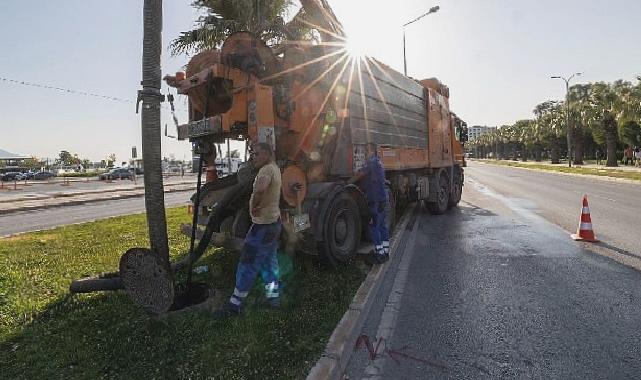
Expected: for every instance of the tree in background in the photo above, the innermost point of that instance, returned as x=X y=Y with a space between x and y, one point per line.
x=550 y=126
x=529 y=138
x=111 y=159
x=602 y=118
x=630 y=133
x=64 y=158
x=33 y=163
x=579 y=97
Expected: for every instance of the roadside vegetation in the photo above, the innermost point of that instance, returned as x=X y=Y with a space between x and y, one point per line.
x=616 y=173
x=47 y=333
x=604 y=118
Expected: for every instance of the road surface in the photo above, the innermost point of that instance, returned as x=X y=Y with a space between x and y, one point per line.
x=615 y=207
x=497 y=289
x=49 y=218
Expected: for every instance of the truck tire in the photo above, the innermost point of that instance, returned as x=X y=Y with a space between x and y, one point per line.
x=342 y=229
x=457 y=188
x=439 y=206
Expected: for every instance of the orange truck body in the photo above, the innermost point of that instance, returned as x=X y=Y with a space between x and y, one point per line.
x=318 y=108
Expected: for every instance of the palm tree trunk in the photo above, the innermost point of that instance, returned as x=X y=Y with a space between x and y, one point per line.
x=610 y=129
x=537 y=153
x=611 y=146
x=554 y=152
x=578 y=136
x=150 y=120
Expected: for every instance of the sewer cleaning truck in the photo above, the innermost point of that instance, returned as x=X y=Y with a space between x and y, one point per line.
x=318 y=107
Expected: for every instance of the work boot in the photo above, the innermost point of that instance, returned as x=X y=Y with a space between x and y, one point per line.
x=228 y=310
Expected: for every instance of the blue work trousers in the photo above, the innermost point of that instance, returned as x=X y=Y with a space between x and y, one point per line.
x=258 y=255
x=377 y=228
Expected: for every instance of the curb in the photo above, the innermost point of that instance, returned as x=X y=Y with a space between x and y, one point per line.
x=597 y=177
x=72 y=202
x=339 y=348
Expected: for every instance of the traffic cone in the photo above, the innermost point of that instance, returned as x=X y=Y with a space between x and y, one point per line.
x=585 y=232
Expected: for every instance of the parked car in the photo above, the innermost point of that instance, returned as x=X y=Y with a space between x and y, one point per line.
x=11 y=176
x=28 y=175
x=118 y=173
x=43 y=175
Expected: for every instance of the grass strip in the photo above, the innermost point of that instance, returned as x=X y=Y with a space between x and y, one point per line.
x=609 y=172
x=47 y=333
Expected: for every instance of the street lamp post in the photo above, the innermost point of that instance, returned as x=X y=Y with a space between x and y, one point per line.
x=567 y=113
x=432 y=10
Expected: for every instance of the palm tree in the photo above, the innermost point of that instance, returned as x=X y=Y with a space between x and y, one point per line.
x=579 y=96
x=150 y=120
x=628 y=110
x=528 y=138
x=604 y=100
x=264 y=18
x=550 y=126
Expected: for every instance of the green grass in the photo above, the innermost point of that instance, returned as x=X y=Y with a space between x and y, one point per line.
x=45 y=333
x=605 y=172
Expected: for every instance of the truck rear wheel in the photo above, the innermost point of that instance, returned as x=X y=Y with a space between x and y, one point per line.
x=342 y=231
x=457 y=188
x=439 y=206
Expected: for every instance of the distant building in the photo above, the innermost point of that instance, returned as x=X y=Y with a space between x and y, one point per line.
x=477 y=131
x=11 y=159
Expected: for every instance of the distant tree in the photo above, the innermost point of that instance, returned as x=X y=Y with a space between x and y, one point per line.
x=527 y=135
x=111 y=159
x=550 y=126
x=33 y=163
x=579 y=96
x=630 y=133
x=64 y=158
x=602 y=117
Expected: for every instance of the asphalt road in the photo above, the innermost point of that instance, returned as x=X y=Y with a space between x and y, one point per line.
x=615 y=207
x=496 y=289
x=49 y=218
x=58 y=186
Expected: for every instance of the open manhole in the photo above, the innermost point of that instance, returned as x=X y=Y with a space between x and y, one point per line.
x=187 y=296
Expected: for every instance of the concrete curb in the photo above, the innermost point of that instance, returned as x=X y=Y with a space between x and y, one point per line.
x=597 y=177
x=338 y=351
x=38 y=204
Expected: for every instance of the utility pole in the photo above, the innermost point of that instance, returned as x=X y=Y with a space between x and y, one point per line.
x=567 y=113
x=151 y=134
x=432 y=10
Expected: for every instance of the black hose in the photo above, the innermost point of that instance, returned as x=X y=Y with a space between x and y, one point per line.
x=195 y=219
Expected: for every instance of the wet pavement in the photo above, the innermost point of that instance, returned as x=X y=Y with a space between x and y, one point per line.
x=494 y=290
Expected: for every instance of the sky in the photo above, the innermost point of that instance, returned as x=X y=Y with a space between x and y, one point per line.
x=495 y=55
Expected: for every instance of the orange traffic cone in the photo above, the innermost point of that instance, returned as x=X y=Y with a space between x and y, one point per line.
x=585 y=232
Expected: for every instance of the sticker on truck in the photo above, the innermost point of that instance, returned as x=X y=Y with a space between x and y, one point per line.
x=359 y=155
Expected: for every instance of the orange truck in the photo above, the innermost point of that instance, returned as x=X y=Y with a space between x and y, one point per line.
x=318 y=107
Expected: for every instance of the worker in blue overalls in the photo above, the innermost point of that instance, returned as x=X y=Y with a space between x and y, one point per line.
x=372 y=179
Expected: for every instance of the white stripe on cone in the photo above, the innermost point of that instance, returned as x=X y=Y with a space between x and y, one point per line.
x=585 y=226
x=585 y=210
